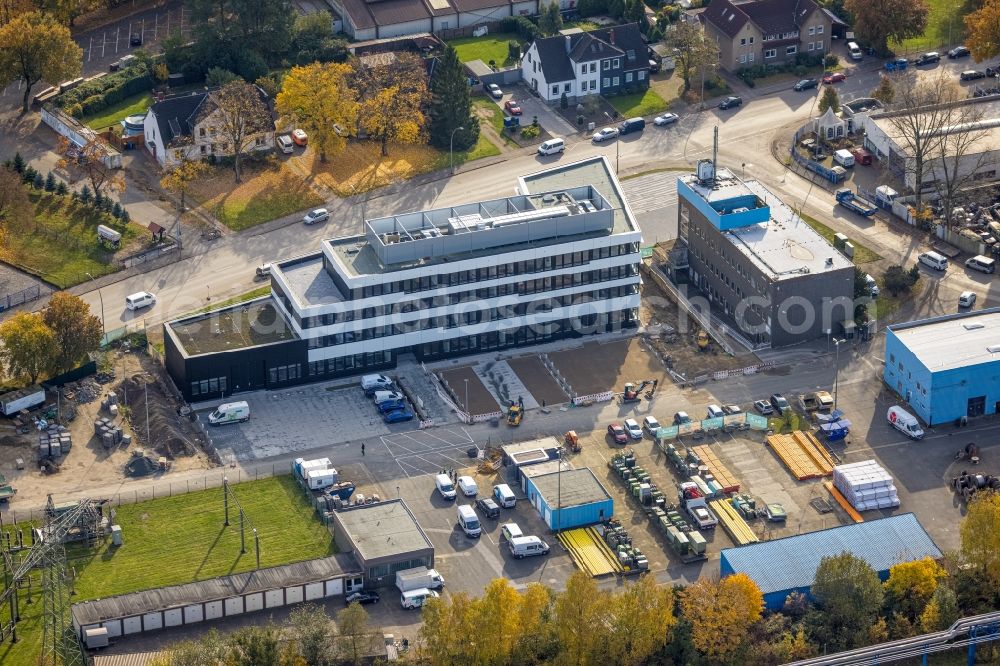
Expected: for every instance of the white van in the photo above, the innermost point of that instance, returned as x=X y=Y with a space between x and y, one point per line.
x=504 y=496
x=552 y=147
x=844 y=158
x=526 y=546
x=372 y=383
x=854 y=50
x=981 y=263
x=387 y=396
x=469 y=521
x=230 y=412
x=510 y=531
x=444 y=486
x=933 y=260
x=139 y=300
x=904 y=422
x=286 y=144
x=416 y=598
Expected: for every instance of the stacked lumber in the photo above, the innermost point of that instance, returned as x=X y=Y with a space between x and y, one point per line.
x=717 y=469
x=803 y=454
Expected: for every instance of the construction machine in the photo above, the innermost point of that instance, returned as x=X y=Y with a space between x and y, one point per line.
x=514 y=414
x=573 y=441
x=702 y=339
x=632 y=393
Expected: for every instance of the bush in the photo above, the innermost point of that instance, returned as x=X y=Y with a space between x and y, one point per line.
x=531 y=132
x=897 y=280
x=95 y=96
x=524 y=27
x=831 y=60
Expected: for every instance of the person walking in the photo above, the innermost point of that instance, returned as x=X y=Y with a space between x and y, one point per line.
x=362 y=448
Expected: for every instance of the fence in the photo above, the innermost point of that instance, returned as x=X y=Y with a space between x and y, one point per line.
x=810 y=165
x=704 y=321
x=147 y=255
x=20 y=297
x=603 y=396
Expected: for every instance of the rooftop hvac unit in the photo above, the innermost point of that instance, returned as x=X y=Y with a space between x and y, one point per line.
x=706 y=171
x=96 y=638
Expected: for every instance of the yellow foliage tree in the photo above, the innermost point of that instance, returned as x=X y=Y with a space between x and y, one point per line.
x=983 y=28
x=33 y=48
x=980 y=533
x=911 y=585
x=392 y=100
x=641 y=618
x=579 y=616
x=317 y=97
x=498 y=619
x=715 y=607
x=941 y=611
x=448 y=623
x=178 y=180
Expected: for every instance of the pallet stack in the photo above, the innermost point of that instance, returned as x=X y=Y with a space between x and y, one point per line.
x=866 y=485
x=54 y=442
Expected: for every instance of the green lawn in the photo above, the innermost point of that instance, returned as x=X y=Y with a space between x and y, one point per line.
x=944 y=27
x=582 y=24
x=485 y=48
x=182 y=539
x=112 y=115
x=60 y=244
x=643 y=103
x=862 y=253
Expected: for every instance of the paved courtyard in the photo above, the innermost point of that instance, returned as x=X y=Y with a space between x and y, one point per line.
x=429 y=451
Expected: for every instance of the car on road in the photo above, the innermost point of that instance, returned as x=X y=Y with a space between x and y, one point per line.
x=390 y=406
x=927 y=58
x=468 y=486
x=488 y=507
x=361 y=597
x=730 y=102
x=834 y=77
x=896 y=64
x=140 y=300
x=779 y=403
x=316 y=216
x=263 y=271
x=300 y=137
x=605 y=134
x=398 y=416
x=135 y=39
x=763 y=407
x=806 y=84
x=651 y=425
x=495 y=91
x=972 y=75
x=959 y=52
x=617 y=433
x=633 y=429
x=732 y=409
x=967 y=299
x=666 y=119
x=681 y=418
x=512 y=107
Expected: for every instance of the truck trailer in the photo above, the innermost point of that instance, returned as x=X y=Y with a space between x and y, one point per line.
x=855 y=202
x=25 y=398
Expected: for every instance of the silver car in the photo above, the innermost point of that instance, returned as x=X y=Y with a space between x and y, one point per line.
x=605 y=134
x=316 y=216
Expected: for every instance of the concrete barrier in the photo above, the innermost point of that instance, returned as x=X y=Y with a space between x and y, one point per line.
x=594 y=397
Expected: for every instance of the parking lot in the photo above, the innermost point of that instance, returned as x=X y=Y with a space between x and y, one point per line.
x=422 y=452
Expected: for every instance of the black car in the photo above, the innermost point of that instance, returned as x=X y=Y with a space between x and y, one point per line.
x=927 y=58
x=959 y=52
x=972 y=75
x=806 y=84
x=779 y=403
x=135 y=39
x=993 y=72
x=730 y=102
x=488 y=507
x=362 y=597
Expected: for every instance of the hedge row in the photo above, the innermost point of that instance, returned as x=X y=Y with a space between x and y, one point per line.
x=95 y=96
x=523 y=26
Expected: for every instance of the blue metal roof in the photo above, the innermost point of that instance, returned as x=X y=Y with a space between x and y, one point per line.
x=788 y=563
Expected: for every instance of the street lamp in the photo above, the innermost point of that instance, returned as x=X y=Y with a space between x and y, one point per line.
x=364 y=205
x=104 y=332
x=559 y=451
x=836 y=376
x=451 y=147
x=618 y=144
x=468 y=412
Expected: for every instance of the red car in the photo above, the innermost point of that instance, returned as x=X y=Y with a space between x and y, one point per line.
x=834 y=77
x=617 y=433
x=862 y=156
x=512 y=107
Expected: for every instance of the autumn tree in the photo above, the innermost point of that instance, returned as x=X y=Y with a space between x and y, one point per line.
x=447 y=623
x=67 y=11
x=317 y=98
x=577 y=614
x=884 y=91
x=496 y=613
x=980 y=532
x=713 y=607
x=241 y=116
x=28 y=346
x=178 y=180
x=550 y=19
x=911 y=585
x=254 y=645
x=312 y=631
x=536 y=642
x=983 y=28
x=849 y=594
x=451 y=105
x=210 y=649
x=694 y=52
x=392 y=98
x=881 y=21
x=829 y=100
x=34 y=47
x=16 y=209
x=92 y=161
x=314 y=40
x=355 y=639
x=12 y=8
x=941 y=611
x=76 y=331
x=634 y=637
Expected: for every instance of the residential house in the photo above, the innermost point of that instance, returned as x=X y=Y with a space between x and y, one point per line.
x=186 y=126
x=380 y=19
x=604 y=61
x=766 y=32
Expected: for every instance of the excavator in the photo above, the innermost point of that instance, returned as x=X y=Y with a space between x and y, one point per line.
x=515 y=412
x=633 y=394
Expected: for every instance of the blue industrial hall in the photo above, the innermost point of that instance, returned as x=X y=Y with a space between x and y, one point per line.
x=945 y=368
x=569 y=498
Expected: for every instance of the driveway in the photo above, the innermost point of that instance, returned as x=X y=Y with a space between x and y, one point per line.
x=532 y=106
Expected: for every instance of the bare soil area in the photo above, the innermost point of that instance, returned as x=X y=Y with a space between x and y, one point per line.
x=89 y=464
x=596 y=367
x=538 y=380
x=481 y=401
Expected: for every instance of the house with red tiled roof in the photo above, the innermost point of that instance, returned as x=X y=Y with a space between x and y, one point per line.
x=766 y=32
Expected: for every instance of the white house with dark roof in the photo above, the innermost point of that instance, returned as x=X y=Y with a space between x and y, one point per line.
x=186 y=127
x=587 y=63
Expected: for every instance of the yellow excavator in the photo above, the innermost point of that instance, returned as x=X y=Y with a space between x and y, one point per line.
x=703 y=340
x=515 y=413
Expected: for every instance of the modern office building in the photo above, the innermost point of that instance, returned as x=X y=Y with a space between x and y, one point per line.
x=558 y=259
x=761 y=267
x=946 y=367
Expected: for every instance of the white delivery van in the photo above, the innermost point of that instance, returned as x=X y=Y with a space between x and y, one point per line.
x=140 y=300
x=854 y=50
x=904 y=422
x=844 y=158
x=933 y=260
x=469 y=521
x=981 y=263
x=386 y=396
x=286 y=144
x=444 y=486
x=417 y=598
x=552 y=147
x=230 y=412
x=526 y=546
x=510 y=531
x=504 y=496
x=372 y=383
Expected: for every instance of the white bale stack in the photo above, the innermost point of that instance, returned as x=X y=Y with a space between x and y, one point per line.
x=866 y=485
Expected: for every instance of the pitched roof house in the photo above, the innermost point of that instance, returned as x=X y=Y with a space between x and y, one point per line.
x=764 y=32
x=380 y=19
x=602 y=61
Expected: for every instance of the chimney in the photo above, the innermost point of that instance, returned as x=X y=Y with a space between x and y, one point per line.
x=611 y=36
x=569 y=44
